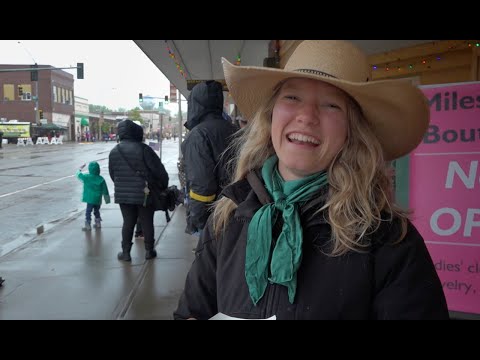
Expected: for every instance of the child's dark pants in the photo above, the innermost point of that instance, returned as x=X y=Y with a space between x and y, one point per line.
x=88 y=212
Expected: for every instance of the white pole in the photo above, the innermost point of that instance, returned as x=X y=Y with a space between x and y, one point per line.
x=161 y=136
x=180 y=125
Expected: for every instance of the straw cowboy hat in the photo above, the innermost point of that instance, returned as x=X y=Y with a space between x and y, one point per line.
x=397 y=110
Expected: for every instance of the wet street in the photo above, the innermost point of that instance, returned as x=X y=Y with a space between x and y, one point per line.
x=38 y=186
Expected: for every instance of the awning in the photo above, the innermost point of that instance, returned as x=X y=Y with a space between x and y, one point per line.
x=84 y=121
x=50 y=126
x=182 y=61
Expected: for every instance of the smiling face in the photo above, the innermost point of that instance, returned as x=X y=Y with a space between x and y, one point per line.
x=309 y=126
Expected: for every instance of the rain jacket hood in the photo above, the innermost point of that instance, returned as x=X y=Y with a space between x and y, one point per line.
x=205 y=98
x=94 y=168
x=128 y=130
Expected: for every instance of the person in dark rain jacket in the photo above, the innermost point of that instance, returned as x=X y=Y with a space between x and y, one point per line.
x=206 y=167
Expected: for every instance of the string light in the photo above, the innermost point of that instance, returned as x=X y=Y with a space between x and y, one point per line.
x=172 y=56
x=424 y=60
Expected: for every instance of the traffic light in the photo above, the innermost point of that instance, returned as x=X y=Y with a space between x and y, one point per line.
x=40 y=112
x=34 y=73
x=79 y=70
x=20 y=91
x=140 y=97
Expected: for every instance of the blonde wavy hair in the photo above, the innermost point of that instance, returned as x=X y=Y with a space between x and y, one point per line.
x=360 y=188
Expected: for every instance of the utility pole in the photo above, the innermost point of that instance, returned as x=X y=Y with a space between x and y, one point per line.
x=37 y=112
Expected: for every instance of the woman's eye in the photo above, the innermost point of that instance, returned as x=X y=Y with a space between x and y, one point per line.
x=291 y=97
x=331 y=105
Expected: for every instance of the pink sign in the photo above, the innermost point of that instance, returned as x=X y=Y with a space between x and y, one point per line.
x=445 y=191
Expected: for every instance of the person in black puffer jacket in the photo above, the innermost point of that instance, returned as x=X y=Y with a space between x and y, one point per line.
x=127 y=162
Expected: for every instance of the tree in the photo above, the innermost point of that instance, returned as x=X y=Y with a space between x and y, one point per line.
x=93 y=129
x=97 y=109
x=134 y=115
x=106 y=128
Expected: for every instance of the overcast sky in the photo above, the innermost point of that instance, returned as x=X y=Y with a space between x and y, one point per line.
x=116 y=71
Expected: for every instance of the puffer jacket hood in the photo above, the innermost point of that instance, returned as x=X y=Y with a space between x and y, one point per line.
x=205 y=98
x=94 y=168
x=128 y=130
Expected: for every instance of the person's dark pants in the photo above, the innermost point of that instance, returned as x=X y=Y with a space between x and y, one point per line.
x=130 y=215
x=88 y=212
x=139 y=229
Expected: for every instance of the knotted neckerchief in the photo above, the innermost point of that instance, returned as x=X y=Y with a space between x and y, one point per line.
x=287 y=254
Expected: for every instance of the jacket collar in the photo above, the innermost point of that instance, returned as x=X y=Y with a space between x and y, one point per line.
x=247 y=193
x=242 y=194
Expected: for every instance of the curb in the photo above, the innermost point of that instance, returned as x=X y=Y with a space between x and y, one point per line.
x=39 y=231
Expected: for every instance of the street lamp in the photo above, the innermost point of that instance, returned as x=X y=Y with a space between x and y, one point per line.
x=37 y=118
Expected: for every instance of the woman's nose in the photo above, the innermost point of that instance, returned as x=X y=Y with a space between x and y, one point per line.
x=308 y=114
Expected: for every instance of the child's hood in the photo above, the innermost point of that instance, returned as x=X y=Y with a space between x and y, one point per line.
x=94 y=168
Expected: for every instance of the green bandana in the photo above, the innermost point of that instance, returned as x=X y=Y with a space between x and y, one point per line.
x=287 y=254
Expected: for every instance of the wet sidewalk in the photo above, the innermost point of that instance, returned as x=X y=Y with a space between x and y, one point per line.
x=66 y=273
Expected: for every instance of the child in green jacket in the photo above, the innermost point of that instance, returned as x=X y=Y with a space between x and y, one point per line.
x=94 y=187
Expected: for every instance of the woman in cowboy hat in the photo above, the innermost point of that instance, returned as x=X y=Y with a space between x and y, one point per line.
x=308 y=229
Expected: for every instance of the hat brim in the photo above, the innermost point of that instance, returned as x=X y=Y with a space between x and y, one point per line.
x=397 y=110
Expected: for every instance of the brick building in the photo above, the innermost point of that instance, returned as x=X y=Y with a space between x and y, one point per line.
x=54 y=91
